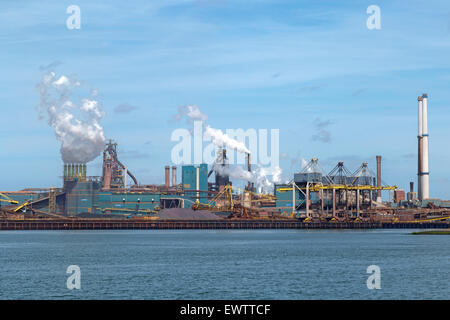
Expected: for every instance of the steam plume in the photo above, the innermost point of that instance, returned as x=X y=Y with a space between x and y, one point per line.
x=74 y=116
x=220 y=139
x=259 y=176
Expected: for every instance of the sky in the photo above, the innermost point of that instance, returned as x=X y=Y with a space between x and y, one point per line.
x=336 y=90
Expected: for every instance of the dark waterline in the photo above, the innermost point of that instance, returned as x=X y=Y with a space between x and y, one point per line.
x=220 y=264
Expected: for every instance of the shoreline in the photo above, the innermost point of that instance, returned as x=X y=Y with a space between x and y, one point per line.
x=121 y=224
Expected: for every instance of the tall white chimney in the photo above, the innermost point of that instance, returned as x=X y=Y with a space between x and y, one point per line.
x=419 y=147
x=425 y=168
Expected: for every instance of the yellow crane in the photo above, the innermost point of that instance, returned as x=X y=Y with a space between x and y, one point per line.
x=7 y=199
x=23 y=205
x=212 y=204
x=318 y=187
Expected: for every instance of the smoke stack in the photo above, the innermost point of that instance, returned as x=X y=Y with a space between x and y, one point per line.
x=419 y=146
x=167 y=173
x=174 y=176
x=379 y=178
x=411 y=187
x=425 y=169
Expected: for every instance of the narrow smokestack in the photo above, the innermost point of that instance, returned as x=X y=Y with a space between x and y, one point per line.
x=378 y=178
x=167 y=176
x=174 y=176
x=425 y=168
x=419 y=146
x=411 y=186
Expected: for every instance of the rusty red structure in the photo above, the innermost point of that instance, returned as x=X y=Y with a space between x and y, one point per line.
x=113 y=170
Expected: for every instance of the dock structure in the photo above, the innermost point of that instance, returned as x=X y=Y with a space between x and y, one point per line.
x=122 y=224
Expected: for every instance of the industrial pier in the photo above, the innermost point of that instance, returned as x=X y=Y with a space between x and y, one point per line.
x=312 y=199
x=104 y=224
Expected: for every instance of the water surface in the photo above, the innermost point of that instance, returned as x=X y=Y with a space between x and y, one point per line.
x=220 y=264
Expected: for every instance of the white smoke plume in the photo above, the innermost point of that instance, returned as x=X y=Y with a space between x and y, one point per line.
x=220 y=139
x=260 y=176
x=74 y=116
x=265 y=184
x=236 y=172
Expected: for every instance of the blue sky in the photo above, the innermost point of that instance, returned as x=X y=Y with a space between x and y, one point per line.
x=247 y=64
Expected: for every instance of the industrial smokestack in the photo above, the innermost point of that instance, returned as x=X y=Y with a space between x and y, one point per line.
x=419 y=146
x=411 y=186
x=425 y=169
x=174 y=176
x=379 y=178
x=167 y=175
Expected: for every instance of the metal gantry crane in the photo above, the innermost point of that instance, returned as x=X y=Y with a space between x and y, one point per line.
x=340 y=190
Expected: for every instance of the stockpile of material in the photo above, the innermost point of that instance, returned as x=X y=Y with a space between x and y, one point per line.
x=187 y=214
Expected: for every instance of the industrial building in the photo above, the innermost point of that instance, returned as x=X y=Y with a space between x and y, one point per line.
x=109 y=194
x=336 y=195
x=311 y=194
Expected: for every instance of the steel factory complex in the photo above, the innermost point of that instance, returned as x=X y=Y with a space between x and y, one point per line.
x=206 y=198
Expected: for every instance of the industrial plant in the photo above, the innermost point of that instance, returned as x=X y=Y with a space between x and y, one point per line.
x=206 y=197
